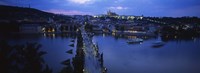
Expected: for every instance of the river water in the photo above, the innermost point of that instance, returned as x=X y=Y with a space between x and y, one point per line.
x=175 y=56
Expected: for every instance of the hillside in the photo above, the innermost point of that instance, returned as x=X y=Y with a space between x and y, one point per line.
x=11 y=17
x=12 y=13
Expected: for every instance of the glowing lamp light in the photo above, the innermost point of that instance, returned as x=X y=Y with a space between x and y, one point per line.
x=53 y=30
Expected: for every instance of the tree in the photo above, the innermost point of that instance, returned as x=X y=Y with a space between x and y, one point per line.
x=22 y=58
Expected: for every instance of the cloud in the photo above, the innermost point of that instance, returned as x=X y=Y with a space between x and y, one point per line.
x=68 y=12
x=118 y=1
x=188 y=11
x=81 y=1
x=3 y=3
x=119 y=8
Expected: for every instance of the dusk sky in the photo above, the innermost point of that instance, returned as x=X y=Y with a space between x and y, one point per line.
x=171 y=8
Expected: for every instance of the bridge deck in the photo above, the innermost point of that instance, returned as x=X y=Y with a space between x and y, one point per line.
x=92 y=63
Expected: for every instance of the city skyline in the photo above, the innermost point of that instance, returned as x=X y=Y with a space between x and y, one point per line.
x=158 y=8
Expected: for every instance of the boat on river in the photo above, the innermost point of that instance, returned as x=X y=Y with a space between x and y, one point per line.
x=135 y=40
x=158 y=44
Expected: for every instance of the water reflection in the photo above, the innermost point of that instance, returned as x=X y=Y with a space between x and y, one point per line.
x=55 y=47
x=65 y=54
x=63 y=35
x=176 y=56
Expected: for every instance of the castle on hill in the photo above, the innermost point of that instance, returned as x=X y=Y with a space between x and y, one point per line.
x=110 y=13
